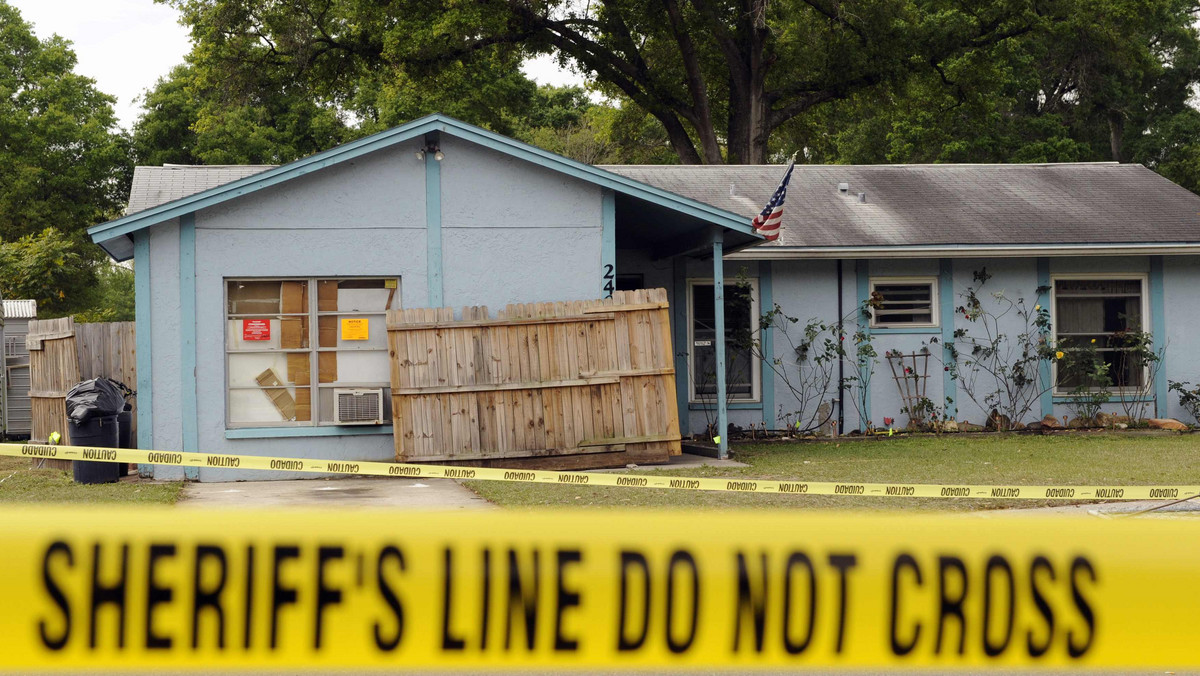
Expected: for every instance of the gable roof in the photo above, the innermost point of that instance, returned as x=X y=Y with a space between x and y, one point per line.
x=153 y=186
x=114 y=236
x=948 y=208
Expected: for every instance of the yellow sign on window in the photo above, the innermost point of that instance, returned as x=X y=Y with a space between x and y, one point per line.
x=354 y=329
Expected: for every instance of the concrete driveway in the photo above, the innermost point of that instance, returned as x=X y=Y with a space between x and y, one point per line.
x=428 y=495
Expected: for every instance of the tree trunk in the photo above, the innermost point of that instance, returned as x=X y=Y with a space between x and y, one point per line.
x=1116 y=130
x=749 y=121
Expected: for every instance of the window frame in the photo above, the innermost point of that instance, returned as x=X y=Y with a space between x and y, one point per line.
x=934 y=303
x=313 y=349
x=1143 y=279
x=755 y=330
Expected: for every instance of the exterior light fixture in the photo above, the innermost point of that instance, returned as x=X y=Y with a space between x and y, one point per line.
x=430 y=148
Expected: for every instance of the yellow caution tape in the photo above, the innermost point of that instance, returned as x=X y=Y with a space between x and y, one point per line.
x=122 y=589
x=791 y=487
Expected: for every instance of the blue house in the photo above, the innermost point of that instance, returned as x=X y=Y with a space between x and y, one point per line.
x=440 y=213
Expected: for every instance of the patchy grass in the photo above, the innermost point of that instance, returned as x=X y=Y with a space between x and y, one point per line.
x=1097 y=458
x=19 y=482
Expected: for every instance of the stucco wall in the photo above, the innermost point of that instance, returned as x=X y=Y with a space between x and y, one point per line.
x=808 y=290
x=1181 y=277
x=514 y=232
x=365 y=217
x=164 y=342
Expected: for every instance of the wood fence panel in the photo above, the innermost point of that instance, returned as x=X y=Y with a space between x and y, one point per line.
x=561 y=385
x=63 y=353
x=53 y=369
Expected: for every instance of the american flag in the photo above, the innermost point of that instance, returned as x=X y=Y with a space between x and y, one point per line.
x=767 y=222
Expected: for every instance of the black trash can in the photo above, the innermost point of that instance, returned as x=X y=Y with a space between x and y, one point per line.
x=101 y=431
x=125 y=428
x=125 y=434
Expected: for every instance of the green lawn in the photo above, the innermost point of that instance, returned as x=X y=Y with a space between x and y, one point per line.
x=1086 y=458
x=19 y=482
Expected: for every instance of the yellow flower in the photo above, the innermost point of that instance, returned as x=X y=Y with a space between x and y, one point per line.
x=1037 y=307
x=1093 y=341
x=1059 y=354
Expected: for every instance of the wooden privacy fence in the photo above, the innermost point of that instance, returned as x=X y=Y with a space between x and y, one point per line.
x=550 y=385
x=63 y=353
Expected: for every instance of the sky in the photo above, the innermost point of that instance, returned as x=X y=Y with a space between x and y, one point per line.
x=127 y=45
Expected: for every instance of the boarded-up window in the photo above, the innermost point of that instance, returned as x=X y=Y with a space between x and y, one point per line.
x=279 y=332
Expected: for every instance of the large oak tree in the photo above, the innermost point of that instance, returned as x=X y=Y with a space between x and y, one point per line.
x=64 y=166
x=719 y=75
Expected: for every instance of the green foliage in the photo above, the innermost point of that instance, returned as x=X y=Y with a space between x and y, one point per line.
x=1189 y=397
x=1088 y=80
x=50 y=267
x=808 y=378
x=188 y=120
x=717 y=75
x=1082 y=365
x=998 y=369
x=66 y=276
x=1136 y=354
x=706 y=81
x=112 y=297
x=63 y=162
x=564 y=120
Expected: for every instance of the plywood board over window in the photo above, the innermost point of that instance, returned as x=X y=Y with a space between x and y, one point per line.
x=552 y=385
x=279 y=331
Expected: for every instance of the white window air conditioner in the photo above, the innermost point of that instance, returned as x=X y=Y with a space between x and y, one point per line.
x=355 y=406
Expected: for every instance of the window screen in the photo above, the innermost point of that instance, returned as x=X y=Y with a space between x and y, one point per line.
x=1095 y=314
x=291 y=342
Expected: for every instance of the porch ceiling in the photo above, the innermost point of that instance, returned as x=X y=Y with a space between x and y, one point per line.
x=666 y=232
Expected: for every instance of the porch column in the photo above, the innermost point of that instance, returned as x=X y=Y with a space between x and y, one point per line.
x=718 y=244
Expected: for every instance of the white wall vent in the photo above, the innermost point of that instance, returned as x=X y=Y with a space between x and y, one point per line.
x=353 y=406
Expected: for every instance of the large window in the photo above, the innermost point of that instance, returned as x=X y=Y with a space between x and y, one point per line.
x=904 y=302
x=279 y=332
x=1092 y=320
x=741 y=326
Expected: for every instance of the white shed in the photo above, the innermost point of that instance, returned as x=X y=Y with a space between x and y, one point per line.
x=17 y=413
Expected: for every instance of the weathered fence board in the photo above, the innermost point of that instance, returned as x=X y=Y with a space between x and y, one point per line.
x=53 y=369
x=555 y=385
x=63 y=353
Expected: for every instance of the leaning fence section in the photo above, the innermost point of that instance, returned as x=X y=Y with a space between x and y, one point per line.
x=552 y=385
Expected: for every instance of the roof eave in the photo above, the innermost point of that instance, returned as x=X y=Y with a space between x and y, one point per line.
x=970 y=251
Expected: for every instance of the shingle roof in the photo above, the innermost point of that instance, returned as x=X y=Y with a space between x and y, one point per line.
x=906 y=205
x=20 y=309
x=153 y=186
x=951 y=204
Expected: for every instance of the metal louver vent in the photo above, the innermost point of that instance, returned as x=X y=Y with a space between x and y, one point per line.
x=358 y=406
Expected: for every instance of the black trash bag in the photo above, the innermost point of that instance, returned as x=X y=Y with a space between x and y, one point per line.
x=96 y=397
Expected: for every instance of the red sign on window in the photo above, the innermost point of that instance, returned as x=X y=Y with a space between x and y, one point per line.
x=256 y=329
